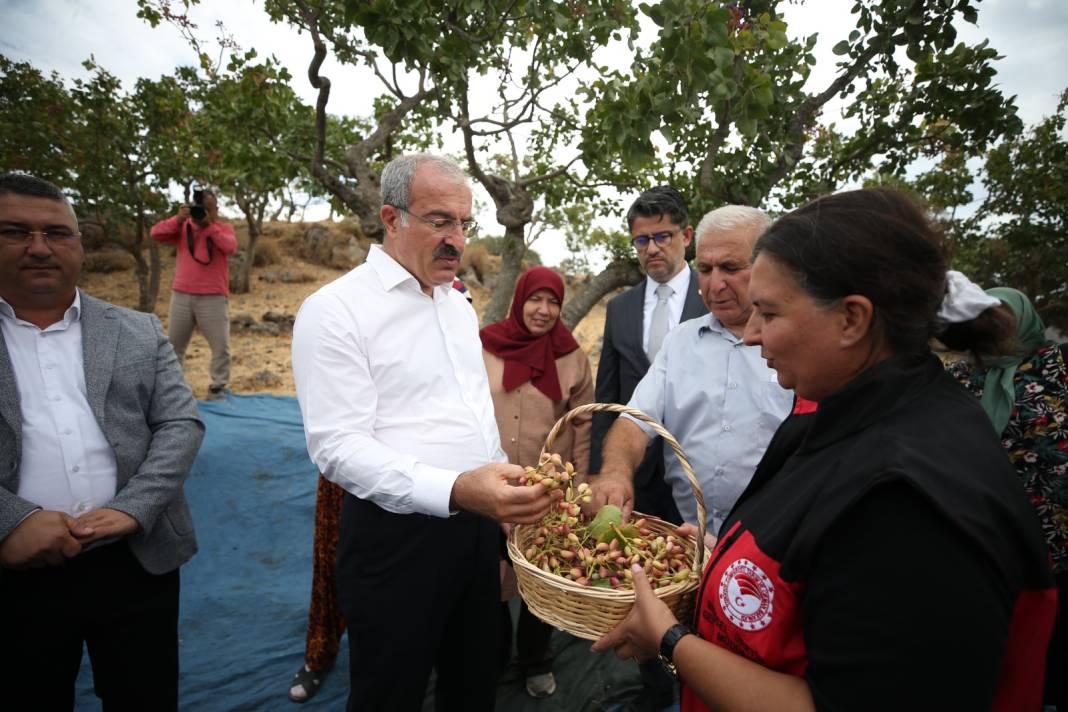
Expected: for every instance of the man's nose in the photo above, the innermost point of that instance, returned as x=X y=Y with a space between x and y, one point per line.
x=38 y=244
x=751 y=334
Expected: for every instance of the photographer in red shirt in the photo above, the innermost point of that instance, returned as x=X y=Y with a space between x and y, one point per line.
x=200 y=294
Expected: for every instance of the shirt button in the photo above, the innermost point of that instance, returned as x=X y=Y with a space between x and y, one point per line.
x=516 y=416
x=719 y=470
x=82 y=507
x=49 y=366
x=732 y=385
x=74 y=469
x=513 y=439
x=67 y=431
x=55 y=398
x=726 y=426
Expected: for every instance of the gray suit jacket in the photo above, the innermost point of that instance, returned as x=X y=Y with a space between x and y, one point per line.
x=623 y=364
x=147 y=412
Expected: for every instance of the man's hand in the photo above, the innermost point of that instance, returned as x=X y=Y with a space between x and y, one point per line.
x=687 y=530
x=610 y=488
x=183 y=213
x=104 y=524
x=487 y=491
x=44 y=538
x=640 y=633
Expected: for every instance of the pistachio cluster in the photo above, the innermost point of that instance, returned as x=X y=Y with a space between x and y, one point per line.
x=601 y=551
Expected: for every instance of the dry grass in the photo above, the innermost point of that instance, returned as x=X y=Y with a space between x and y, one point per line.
x=260 y=363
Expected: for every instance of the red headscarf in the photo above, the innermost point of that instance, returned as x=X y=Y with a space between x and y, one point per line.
x=528 y=357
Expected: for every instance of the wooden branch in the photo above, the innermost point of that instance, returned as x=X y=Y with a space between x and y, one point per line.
x=806 y=113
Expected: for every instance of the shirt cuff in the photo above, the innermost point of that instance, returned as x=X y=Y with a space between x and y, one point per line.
x=432 y=489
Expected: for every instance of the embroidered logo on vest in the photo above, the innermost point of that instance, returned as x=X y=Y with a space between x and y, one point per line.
x=745 y=595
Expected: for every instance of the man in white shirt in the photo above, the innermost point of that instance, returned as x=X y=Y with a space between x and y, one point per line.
x=98 y=430
x=388 y=369
x=716 y=395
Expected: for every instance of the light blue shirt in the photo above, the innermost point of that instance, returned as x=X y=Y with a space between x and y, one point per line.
x=720 y=400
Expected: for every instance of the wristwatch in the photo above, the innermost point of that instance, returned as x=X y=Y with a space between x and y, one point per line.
x=667 y=646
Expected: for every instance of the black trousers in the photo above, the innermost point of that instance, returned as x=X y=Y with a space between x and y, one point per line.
x=126 y=616
x=419 y=593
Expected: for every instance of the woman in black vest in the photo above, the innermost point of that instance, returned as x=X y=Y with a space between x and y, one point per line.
x=884 y=556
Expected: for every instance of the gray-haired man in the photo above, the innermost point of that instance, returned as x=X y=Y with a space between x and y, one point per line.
x=716 y=395
x=397 y=410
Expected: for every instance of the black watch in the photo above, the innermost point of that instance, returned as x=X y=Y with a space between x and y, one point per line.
x=667 y=646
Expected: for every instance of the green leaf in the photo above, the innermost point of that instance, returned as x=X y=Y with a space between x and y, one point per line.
x=841 y=48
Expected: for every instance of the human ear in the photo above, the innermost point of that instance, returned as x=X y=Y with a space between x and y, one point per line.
x=856 y=313
x=388 y=215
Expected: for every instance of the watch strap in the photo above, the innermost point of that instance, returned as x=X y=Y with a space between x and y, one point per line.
x=671 y=638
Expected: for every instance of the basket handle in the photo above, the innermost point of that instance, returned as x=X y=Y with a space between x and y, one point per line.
x=660 y=430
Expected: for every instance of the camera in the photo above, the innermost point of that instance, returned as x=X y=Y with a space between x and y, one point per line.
x=197 y=211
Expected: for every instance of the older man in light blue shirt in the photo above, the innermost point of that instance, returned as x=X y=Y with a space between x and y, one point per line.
x=716 y=395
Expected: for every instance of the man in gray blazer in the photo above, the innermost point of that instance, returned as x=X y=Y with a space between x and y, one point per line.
x=98 y=431
x=659 y=224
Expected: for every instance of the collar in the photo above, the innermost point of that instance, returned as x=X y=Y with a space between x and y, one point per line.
x=711 y=325
x=392 y=273
x=680 y=283
x=71 y=315
x=870 y=397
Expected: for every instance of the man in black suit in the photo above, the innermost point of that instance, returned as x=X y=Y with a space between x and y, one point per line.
x=659 y=224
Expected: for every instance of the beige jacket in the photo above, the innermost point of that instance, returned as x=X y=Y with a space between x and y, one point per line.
x=525 y=415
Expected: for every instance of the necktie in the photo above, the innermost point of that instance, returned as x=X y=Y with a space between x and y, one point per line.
x=658 y=323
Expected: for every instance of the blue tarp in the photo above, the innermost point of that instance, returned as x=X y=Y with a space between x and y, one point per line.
x=245 y=594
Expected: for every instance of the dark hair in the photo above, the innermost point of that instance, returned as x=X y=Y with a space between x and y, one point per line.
x=25 y=184
x=992 y=334
x=658 y=202
x=875 y=242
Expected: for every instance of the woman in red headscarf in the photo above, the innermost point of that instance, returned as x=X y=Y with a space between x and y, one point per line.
x=537 y=372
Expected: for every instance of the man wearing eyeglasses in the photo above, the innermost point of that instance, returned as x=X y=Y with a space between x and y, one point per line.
x=98 y=430
x=388 y=369
x=200 y=293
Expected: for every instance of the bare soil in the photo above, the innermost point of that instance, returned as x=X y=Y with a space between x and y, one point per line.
x=260 y=363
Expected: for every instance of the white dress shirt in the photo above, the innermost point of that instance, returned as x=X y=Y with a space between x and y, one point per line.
x=67 y=464
x=720 y=400
x=680 y=283
x=392 y=387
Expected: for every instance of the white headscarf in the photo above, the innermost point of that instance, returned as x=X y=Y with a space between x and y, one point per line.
x=964 y=300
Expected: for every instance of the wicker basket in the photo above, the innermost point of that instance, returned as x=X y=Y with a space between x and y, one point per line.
x=589 y=612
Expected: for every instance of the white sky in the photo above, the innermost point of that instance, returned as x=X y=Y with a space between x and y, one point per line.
x=60 y=34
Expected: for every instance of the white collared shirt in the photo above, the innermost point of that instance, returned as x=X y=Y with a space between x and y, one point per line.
x=680 y=283
x=67 y=464
x=392 y=387
x=720 y=400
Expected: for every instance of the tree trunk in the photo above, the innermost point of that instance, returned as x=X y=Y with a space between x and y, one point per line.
x=253 y=210
x=511 y=265
x=621 y=273
x=154 y=270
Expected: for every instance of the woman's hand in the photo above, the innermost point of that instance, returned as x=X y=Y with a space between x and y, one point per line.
x=639 y=634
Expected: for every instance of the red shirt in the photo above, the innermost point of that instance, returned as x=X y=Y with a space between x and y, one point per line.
x=192 y=275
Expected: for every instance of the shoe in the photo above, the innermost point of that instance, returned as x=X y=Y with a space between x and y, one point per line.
x=539 y=686
x=305 y=684
x=216 y=393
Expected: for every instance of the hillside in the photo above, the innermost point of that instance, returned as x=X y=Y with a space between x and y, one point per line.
x=260 y=351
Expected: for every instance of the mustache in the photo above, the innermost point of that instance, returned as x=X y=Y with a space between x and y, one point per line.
x=38 y=263
x=446 y=250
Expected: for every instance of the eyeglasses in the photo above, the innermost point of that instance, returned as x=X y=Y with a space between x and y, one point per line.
x=662 y=239
x=11 y=235
x=467 y=227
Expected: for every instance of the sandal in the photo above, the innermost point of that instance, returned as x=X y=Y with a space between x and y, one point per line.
x=305 y=684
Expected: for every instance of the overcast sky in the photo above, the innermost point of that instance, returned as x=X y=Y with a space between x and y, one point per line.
x=60 y=34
